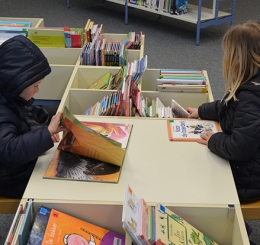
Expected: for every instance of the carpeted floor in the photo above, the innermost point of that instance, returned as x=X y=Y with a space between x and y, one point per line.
x=168 y=43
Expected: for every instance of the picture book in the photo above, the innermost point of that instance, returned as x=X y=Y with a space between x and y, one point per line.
x=102 y=82
x=63 y=228
x=39 y=226
x=178 y=110
x=49 y=38
x=172 y=229
x=135 y=217
x=188 y=129
x=89 y=151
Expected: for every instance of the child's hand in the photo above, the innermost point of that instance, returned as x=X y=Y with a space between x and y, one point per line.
x=205 y=138
x=54 y=126
x=193 y=112
x=55 y=138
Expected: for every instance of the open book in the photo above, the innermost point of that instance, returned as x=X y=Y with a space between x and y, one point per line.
x=90 y=151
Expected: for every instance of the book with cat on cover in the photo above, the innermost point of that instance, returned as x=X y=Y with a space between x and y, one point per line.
x=89 y=151
x=187 y=129
x=61 y=228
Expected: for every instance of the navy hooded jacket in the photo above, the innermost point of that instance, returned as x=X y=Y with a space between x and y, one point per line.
x=240 y=140
x=21 y=65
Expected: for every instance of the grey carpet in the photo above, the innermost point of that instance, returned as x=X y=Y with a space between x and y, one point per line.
x=168 y=43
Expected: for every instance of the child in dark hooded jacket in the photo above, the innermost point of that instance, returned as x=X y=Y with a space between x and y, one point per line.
x=24 y=135
x=239 y=111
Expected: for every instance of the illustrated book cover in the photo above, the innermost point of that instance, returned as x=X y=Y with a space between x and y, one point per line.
x=190 y=129
x=89 y=151
x=172 y=229
x=65 y=229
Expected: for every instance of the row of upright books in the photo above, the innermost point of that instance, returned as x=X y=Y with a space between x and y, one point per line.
x=176 y=7
x=157 y=224
x=100 y=52
x=142 y=224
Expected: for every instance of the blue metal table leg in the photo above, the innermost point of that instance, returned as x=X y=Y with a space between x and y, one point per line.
x=126 y=13
x=198 y=22
x=68 y=3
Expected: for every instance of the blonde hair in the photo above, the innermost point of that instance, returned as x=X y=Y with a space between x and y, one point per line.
x=241 y=61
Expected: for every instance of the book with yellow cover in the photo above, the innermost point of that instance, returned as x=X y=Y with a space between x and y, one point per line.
x=89 y=151
x=188 y=129
x=62 y=228
x=49 y=38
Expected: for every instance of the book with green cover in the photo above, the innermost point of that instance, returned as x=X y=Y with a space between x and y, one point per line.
x=102 y=82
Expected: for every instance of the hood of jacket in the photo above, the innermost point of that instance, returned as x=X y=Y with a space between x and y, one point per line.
x=21 y=64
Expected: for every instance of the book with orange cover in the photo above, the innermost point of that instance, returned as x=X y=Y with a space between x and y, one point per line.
x=63 y=229
x=89 y=151
x=187 y=129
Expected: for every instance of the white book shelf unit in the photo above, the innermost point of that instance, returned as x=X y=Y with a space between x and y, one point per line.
x=77 y=97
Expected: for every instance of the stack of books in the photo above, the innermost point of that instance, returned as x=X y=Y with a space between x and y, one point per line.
x=99 y=52
x=9 y=29
x=176 y=80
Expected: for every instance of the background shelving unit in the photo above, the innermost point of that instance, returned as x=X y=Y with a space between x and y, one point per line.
x=201 y=16
x=197 y=14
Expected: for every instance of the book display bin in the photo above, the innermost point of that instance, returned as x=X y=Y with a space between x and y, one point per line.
x=68 y=84
x=222 y=223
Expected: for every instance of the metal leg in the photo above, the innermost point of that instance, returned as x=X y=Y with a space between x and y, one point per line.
x=68 y=3
x=198 y=22
x=126 y=13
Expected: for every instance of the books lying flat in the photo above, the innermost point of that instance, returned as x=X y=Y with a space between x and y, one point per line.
x=182 y=88
x=190 y=129
x=180 y=71
x=181 y=81
x=54 y=227
x=90 y=151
